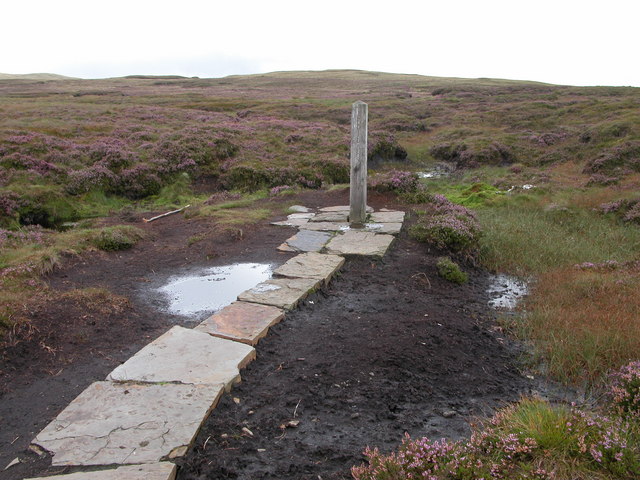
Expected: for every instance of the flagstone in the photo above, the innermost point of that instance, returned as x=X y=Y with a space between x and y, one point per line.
x=280 y=292
x=340 y=208
x=242 y=321
x=341 y=216
x=360 y=243
x=293 y=222
x=387 y=217
x=390 y=228
x=184 y=355
x=306 y=241
x=299 y=209
x=324 y=226
x=152 y=471
x=310 y=265
x=115 y=423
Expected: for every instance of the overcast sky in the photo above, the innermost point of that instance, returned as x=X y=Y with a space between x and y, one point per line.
x=572 y=42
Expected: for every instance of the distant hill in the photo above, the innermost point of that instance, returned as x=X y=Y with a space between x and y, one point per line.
x=34 y=76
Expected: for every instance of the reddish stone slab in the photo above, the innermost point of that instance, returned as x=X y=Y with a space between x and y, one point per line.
x=242 y=321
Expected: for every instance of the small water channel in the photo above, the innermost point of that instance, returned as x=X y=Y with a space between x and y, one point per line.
x=211 y=289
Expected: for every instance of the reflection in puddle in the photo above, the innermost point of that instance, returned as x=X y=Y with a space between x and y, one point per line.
x=213 y=288
x=506 y=291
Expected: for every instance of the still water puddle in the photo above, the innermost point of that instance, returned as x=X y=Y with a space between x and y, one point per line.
x=438 y=171
x=212 y=289
x=506 y=291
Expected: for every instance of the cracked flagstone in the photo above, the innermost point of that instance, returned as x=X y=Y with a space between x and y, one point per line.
x=306 y=241
x=280 y=292
x=310 y=265
x=360 y=243
x=112 y=423
x=242 y=322
x=186 y=356
x=153 y=471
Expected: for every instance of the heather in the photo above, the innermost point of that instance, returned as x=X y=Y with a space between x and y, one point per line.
x=529 y=440
x=130 y=138
x=447 y=226
x=397 y=181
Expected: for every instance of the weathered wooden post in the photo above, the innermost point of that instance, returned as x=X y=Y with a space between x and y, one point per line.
x=358 y=179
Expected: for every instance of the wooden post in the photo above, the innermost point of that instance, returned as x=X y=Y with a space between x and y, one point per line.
x=358 y=179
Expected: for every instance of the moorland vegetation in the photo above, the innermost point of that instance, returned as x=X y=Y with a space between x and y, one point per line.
x=540 y=181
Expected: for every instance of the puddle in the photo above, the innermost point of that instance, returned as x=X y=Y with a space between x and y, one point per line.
x=526 y=186
x=373 y=226
x=438 y=171
x=213 y=288
x=506 y=291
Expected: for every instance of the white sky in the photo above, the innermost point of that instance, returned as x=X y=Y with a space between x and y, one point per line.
x=576 y=42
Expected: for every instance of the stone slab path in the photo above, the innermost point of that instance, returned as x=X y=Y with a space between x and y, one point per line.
x=242 y=321
x=152 y=406
x=111 y=423
x=157 y=471
x=360 y=243
x=283 y=293
x=311 y=265
x=183 y=355
x=306 y=241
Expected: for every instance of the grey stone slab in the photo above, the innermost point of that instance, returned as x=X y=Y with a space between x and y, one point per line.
x=280 y=292
x=310 y=265
x=186 y=356
x=387 y=217
x=390 y=228
x=242 y=322
x=299 y=209
x=295 y=222
x=360 y=243
x=298 y=216
x=341 y=208
x=306 y=241
x=324 y=226
x=342 y=216
x=113 y=423
x=152 y=471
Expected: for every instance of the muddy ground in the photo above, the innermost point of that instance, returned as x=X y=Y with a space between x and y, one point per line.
x=387 y=348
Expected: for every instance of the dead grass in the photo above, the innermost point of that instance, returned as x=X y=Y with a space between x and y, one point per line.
x=585 y=322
